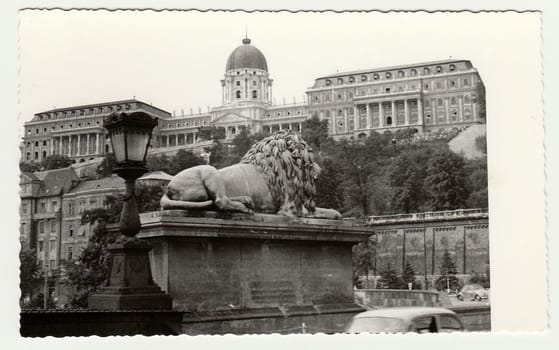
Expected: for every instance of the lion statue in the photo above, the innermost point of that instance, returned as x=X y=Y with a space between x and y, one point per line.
x=277 y=175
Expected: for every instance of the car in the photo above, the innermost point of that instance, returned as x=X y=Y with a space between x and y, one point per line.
x=473 y=292
x=405 y=319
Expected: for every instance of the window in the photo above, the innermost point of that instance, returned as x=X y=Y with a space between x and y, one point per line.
x=36 y=143
x=426 y=86
x=254 y=83
x=69 y=255
x=328 y=82
x=376 y=76
x=389 y=121
x=41 y=246
x=413 y=72
x=388 y=75
x=453 y=100
x=24 y=208
x=36 y=131
x=238 y=82
x=363 y=78
x=53 y=226
x=70 y=208
x=467 y=99
x=439 y=102
x=238 y=94
x=41 y=227
x=452 y=83
x=426 y=71
x=466 y=82
x=401 y=74
x=42 y=207
x=425 y=325
x=339 y=96
x=438 y=85
x=54 y=205
x=451 y=67
x=449 y=323
x=340 y=80
x=71 y=230
x=439 y=69
x=254 y=94
x=387 y=90
x=351 y=79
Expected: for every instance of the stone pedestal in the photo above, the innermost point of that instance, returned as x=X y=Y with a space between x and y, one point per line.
x=130 y=285
x=223 y=268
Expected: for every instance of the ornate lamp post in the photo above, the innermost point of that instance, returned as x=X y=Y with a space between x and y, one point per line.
x=130 y=285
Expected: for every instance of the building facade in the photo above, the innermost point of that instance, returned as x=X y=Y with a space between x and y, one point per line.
x=427 y=97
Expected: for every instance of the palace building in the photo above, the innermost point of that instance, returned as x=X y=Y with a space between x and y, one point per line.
x=426 y=97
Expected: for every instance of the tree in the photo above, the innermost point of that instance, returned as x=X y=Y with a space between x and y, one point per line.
x=477 y=183
x=55 y=161
x=92 y=269
x=446 y=182
x=408 y=276
x=406 y=177
x=329 y=192
x=211 y=133
x=363 y=257
x=448 y=279
x=30 y=275
x=29 y=167
x=184 y=159
x=389 y=279
x=159 y=162
x=481 y=143
x=107 y=165
x=314 y=131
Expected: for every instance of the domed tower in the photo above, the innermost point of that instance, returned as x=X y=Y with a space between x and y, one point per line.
x=246 y=77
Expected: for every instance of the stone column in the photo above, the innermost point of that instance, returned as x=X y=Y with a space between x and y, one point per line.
x=394 y=114
x=167 y=141
x=460 y=107
x=446 y=111
x=380 y=115
x=96 y=143
x=69 y=145
x=420 y=111
x=87 y=150
x=346 y=126
x=79 y=144
x=406 y=112
x=368 y=108
x=474 y=111
x=355 y=117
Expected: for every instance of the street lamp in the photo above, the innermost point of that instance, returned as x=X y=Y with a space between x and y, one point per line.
x=130 y=136
x=130 y=285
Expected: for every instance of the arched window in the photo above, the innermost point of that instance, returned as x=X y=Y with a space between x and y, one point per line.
x=389 y=121
x=413 y=72
x=238 y=94
x=439 y=69
x=375 y=76
x=401 y=74
x=426 y=70
x=388 y=75
x=254 y=94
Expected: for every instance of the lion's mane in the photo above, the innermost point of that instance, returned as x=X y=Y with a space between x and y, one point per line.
x=287 y=163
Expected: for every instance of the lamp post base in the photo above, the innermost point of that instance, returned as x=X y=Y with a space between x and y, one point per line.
x=130 y=286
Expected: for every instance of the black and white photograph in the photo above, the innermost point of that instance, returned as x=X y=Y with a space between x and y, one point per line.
x=189 y=172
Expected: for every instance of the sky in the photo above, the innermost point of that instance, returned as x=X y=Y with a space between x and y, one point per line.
x=175 y=60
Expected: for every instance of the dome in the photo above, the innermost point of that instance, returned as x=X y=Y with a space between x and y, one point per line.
x=246 y=56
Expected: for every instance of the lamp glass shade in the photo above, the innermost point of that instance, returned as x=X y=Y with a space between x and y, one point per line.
x=130 y=135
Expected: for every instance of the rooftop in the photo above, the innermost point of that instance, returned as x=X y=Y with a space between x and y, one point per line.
x=93 y=105
x=106 y=183
x=412 y=65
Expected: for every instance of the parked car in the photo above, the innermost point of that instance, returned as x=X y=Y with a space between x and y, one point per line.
x=406 y=319
x=473 y=292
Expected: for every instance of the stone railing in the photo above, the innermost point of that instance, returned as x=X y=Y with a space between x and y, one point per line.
x=430 y=216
